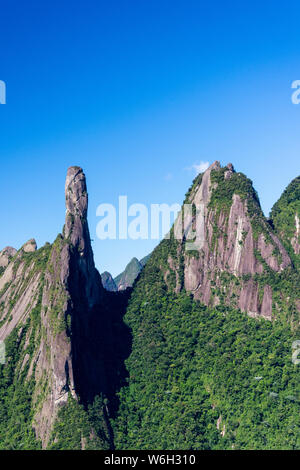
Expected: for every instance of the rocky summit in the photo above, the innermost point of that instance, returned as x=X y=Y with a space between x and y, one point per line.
x=189 y=348
x=233 y=241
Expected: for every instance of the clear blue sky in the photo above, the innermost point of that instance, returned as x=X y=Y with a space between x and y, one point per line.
x=136 y=92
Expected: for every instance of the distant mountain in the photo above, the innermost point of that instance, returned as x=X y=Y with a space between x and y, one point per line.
x=108 y=282
x=128 y=276
x=6 y=256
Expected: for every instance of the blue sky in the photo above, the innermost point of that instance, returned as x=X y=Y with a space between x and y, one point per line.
x=136 y=92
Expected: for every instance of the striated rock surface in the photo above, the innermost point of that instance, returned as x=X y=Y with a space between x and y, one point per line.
x=295 y=239
x=76 y=232
x=228 y=246
x=6 y=255
x=52 y=297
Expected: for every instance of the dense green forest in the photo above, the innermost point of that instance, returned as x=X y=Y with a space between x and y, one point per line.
x=16 y=411
x=76 y=426
x=205 y=378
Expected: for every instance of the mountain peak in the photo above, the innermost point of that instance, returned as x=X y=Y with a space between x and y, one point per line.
x=76 y=231
x=5 y=257
x=108 y=282
x=127 y=278
x=214 y=166
x=76 y=203
x=227 y=233
x=134 y=261
x=30 y=246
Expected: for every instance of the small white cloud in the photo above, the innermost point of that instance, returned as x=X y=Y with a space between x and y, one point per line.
x=199 y=167
x=168 y=177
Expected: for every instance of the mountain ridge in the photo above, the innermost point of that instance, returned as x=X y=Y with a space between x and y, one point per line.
x=232 y=237
x=105 y=360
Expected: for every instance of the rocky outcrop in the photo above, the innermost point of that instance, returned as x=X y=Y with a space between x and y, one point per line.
x=30 y=246
x=75 y=359
x=295 y=238
x=6 y=255
x=227 y=244
x=61 y=285
x=108 y=282
x=76 y=232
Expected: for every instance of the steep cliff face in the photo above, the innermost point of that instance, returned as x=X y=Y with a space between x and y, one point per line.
x=76 y=232
x=52 y=298
x=5 y=257
x=228 y=248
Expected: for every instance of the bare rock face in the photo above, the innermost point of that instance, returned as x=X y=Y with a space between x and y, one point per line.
x=76 y=206
x=61 y=285
x=76 y=231
x=78 y=289
x=30 y=246
x=6 y=255
x=233 y=244
x=295 y=239
x=228 y=173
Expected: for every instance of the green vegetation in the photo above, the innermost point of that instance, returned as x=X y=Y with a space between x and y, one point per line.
x=195 y=185
x=211 y=378
x=31 y=266
x=238 y=183
x=16 y=388
x=191 y=365
x=76 y=428
x=283 y=216
x=16 y=411
x=20 y=396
